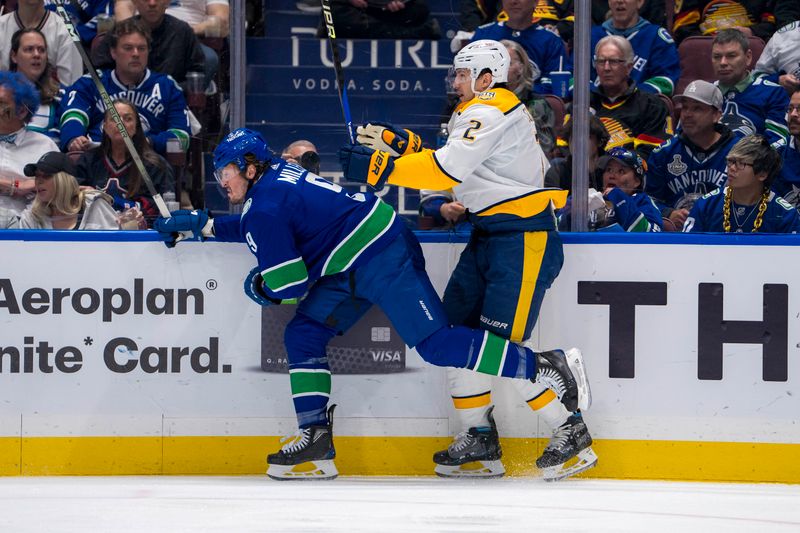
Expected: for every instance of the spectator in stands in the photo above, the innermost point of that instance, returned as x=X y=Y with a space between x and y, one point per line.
x=544 y=48
x=560 y=172
x=752 y=104
x=634 y=119
x=19 y=100
x=61 y=51
x=157 y=97
x=29 y=57
x=657 y=67
x=304 y=153
x=60 y=203
x=752 y=17
x=623 y=205
x=652 y=10
x=208 y=18
x=746 y=204
x=780 y=59
x=692 y=163
x=110 y=168
x=520 y=82
x=382 y=19
x=85 y=15
x=175 y=49
x=788 y=182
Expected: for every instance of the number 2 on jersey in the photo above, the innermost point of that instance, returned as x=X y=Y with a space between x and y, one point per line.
x=476 y=125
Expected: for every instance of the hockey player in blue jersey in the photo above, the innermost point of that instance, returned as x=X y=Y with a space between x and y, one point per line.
x=656 y=67
x=495 y=169
x=623 y=205
x=158 y=99
x=746 y=204
x=338 y=253
x=692 y=162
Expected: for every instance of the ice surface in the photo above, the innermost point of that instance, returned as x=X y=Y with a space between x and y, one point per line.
x=248 y=503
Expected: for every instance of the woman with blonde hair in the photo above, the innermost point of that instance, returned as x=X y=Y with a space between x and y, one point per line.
x=60 y=203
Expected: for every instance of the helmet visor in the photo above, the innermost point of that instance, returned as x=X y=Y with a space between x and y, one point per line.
x=227 y=172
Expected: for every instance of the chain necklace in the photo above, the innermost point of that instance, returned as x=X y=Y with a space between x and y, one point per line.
x=726 y=212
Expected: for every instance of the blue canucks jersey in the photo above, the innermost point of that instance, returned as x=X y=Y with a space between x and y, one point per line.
x=707 y=215
x=756 y=105
x=158 y=99
x=788 y=182
x=679 y=172
x=656 y=66
x=543 y=47
x=301 y=227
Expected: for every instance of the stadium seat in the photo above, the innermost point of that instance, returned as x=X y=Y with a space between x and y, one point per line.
x=695 y=57
x=559 y=109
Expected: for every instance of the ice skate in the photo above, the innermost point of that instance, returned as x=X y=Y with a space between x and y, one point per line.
x=473 y=453
x=565 y=374
x=569 y=451
x=308 y=454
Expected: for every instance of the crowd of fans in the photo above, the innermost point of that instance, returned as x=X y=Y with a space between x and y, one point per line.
x=63 y=161
x=719 y=153
x=656 y=147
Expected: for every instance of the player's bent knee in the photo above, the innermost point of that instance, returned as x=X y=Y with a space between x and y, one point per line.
x=434 y=348
x=305 y=338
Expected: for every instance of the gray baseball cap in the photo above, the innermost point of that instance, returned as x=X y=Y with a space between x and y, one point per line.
x=703 y=92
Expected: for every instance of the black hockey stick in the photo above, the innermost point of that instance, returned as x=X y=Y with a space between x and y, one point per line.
x=76 y=39
x=337 y=66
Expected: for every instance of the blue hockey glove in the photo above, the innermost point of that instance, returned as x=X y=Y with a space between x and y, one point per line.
x=383 y=136
x=182 y=222
x=254 y=289
x=365 y=165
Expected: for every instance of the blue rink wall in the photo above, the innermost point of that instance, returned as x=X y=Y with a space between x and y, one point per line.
x=120 y=356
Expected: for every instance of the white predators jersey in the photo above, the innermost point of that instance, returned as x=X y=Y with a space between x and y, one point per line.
x=492 y=152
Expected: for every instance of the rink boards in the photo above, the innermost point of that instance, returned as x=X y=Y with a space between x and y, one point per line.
x=119 y=356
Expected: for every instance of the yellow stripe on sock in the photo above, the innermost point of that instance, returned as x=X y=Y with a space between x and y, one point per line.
x=471 y=402
x=542 y=400
x=535 y=244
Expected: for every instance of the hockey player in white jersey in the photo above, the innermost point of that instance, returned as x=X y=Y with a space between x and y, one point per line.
x=495 y=168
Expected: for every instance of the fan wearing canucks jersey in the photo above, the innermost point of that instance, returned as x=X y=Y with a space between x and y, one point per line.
x=746 y=204
x=788 y=182
x=544 y=48
x=337 y=253
x=656 y=67
x=692 y=163
x=158 y=98
x=495 y=169
x=752 y=104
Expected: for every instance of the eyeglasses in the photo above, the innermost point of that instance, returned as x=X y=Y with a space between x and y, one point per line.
x=737 y=164
x=793 y=109
x=612 y=62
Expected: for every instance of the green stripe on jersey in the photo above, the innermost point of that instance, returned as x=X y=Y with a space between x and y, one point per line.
x=285 y=275
x=375 y=224
x=662 y=84
x=493 y=355
x=310 y=381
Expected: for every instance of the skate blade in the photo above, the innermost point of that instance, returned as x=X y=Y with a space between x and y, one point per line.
x=575 y=363
x=484 y=469
x=585 y=460
x=303 y=471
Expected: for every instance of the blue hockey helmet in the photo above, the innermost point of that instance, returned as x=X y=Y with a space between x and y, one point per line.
x=235 y=146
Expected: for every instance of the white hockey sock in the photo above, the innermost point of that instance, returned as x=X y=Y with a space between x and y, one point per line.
x=544 y=402
x=473 y=417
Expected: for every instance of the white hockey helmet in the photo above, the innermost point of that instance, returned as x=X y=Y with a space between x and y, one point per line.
x=484 y=54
